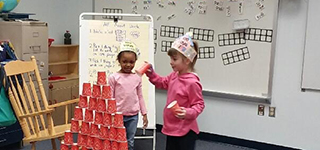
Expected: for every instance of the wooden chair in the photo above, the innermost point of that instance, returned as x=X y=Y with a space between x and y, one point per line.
x=28 y=99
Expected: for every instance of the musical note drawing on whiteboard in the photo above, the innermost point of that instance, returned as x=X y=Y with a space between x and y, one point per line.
x=160 y=4
x=134 y=9
x=202 y=7
x=260 y=15
x=191 y=8
x=228 y=11
x=218 y=5
x=260 y=5
x=240 y=9
x=171 y=16
x=172 y=3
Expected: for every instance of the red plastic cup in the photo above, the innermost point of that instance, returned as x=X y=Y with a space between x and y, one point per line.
x=74 y=125
x=102 y=78
x=84 y=148
x=101 y=106
x=112 y=106
x=123 y=145
x=97 y=145
x=98 y=119
x=68 y=139
x=106 y=91
x=75 y=146
x=143 y=69
x=64 y=146
x=112 y=119
x=92 y=103
x=86 y=89
x=121 y=134
x=96 y=91
x=85 y=128
x=118 y=120
x=173 y=106
x=78 y=113
x=113 y=134
x=95 y=130
x=106 y=145
x=90 y=141
x=50 y=41
x=114 y=145
x=83 y=101
x=82 y=139
x=104 y=132
x=88 y=115
x=107 y=119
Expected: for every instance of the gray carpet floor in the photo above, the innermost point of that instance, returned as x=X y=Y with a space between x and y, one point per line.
x=142 y=144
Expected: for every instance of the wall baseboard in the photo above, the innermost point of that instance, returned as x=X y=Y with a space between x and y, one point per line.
x=236 y=141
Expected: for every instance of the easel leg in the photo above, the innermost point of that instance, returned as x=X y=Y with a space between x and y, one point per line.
x=154 y=138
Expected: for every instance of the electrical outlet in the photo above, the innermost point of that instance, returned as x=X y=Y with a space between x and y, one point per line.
x=261 y=110
x=272 y=111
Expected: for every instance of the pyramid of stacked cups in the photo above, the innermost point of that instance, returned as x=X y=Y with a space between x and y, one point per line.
x=96 y=121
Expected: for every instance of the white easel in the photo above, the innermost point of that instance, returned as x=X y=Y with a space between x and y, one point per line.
x=84 y=18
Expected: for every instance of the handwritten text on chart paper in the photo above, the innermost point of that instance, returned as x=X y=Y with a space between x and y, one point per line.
x=104 y=41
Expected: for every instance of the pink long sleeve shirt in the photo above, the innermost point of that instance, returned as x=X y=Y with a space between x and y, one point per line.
x=127 y=90
x=187 y=90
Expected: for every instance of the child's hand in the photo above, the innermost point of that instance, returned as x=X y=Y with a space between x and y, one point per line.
x=145 y=121
x=151 y=68
x=181 y=113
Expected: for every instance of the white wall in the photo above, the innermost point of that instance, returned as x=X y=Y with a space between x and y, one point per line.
x=61 y=15
x=297 y=113
x=297 y=118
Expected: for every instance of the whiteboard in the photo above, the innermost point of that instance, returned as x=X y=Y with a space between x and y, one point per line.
x=311 y=71
x=99 y=46
x=231 y=62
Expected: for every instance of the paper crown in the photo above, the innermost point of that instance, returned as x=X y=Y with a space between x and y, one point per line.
x=128 y=46
x=184 y=45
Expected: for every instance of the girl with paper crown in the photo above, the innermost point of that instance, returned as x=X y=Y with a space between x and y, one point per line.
x=126 y=88
x=184 y=89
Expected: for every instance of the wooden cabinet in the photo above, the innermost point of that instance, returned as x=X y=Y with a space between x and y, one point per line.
x=64 y=64
x=64 y=60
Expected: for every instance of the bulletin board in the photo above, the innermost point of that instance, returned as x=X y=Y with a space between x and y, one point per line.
x=236 y=40
x=99 y=45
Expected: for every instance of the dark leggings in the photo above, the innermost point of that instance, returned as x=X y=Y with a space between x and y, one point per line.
x=186 y=142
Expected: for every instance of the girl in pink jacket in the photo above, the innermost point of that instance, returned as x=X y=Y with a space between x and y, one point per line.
x=183 y=86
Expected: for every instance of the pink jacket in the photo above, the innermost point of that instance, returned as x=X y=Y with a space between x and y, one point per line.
x=187 y=90
x=127 y=90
